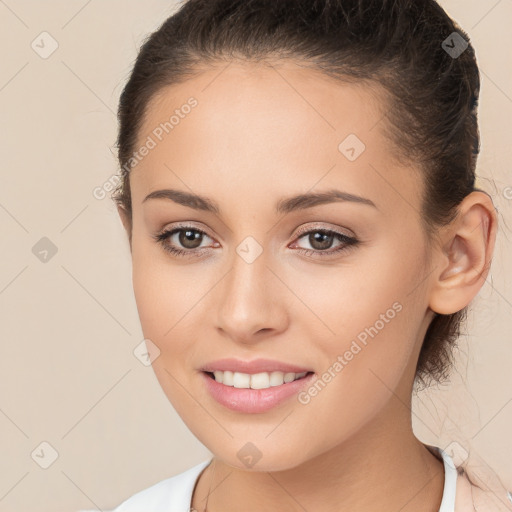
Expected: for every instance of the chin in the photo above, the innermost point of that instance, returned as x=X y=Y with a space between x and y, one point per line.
x=268 y=455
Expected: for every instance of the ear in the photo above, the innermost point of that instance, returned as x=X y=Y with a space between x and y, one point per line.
x=127 y=222
x=462 y=261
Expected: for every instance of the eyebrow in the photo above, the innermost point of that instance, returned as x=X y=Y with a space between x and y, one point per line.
x=284 y=206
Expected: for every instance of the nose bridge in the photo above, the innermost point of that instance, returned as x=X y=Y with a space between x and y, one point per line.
x=249 y=298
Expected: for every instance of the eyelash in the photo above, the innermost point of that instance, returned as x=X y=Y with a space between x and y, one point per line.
x=348 y=242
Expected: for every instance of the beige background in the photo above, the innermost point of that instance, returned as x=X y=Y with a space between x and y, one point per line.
x=69 y=325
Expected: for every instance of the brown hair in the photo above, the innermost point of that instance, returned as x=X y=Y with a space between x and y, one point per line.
x=409 y=47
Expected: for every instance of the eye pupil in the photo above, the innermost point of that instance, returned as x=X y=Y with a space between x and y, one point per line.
x=320 y=240
x=190 y=238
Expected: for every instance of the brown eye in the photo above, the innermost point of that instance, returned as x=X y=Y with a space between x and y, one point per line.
x=190 y=238
x=182 y=241
x=321 y=240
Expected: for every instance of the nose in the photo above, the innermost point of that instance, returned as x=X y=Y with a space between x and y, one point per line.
x=250 y=302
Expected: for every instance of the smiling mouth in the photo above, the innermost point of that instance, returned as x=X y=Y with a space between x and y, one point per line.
x=262 y=380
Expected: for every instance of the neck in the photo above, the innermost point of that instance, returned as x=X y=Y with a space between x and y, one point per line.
x=382 y=467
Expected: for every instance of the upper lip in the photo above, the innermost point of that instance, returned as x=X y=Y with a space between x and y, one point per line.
x=254 y=366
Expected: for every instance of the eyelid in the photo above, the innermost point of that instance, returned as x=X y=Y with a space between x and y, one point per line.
x=322 y=227
x=184 y=225
x=348 y=240
x=307 y=228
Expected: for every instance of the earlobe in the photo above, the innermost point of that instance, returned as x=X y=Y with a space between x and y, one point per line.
x=464 y=260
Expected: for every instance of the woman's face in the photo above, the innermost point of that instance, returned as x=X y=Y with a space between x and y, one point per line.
x=265 y=281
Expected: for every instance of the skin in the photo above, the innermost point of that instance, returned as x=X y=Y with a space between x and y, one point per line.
x=261 y=133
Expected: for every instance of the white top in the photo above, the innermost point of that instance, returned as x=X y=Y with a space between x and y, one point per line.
x=174 y=494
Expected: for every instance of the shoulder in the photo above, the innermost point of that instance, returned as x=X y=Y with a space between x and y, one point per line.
x=170 y=495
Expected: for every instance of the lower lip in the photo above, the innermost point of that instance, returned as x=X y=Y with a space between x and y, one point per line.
x=254 y=400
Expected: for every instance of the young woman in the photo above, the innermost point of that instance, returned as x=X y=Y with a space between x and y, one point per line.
x=298 y=189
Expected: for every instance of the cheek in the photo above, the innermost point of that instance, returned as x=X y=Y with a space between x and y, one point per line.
x=162 y=291
x=152 y=295
x=159 y=308
x=374 y=311
x=364 y=363
x=164 y=299
x=172 y=306
x=374 y=293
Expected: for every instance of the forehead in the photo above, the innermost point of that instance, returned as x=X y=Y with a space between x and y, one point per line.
x=266 y=127
x=277 y=93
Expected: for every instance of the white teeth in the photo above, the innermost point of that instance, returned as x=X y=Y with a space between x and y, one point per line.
x=261 y=380
x=289 y=377
x=227 y=378
x=241 y=380
x=276 y=378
